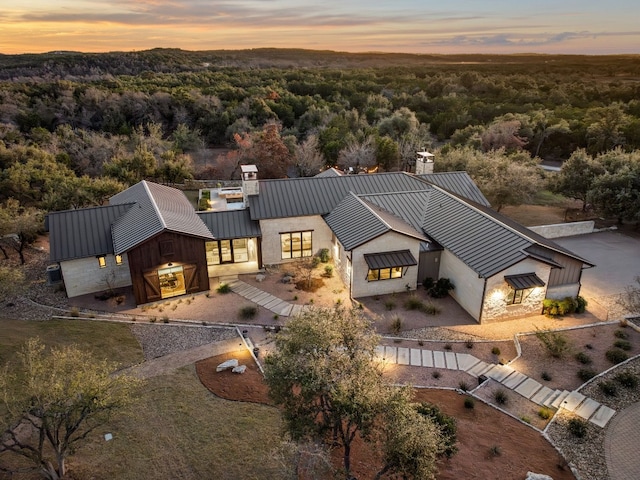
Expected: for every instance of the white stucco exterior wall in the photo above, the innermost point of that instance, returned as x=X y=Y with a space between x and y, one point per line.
x=495 y=305
x=271 y=229
x=388 y=242
x=468 y=286
x=563 y=291
x=84 y=275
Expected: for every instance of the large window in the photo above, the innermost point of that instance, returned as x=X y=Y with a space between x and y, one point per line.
x=296 y=244
x=227 y=251
x=385 y=273
x=515 y=297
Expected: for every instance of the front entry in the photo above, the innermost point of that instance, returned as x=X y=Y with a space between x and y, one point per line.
x=172 y=282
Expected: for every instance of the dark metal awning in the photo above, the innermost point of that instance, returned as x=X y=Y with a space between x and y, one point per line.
x=399 y=258
x=523 y=280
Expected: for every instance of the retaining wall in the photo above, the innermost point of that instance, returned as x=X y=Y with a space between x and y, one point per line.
x=564 y=229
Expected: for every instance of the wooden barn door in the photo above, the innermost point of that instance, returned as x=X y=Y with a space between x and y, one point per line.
x=151 y=286
x=191 y=278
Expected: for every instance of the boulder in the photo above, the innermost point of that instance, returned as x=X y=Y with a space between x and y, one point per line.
x=239 y=369
x=232 y=363
x=537 y=476
x=260 y=277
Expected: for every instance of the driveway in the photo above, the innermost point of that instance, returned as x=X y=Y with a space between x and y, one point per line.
x=617 y=259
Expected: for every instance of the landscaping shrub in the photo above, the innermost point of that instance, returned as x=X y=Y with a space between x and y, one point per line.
x=447 y=424
x=621 y=334
x=440 y=288
x=556 y=343
x=428 y=283
x=165 y=319
x=577 y=427
x=413 y=303
x=616 y=355
x=558 y=308
x=583 y=358
x=495 y=351
x=469 y=344
x=223 y=288
x=495 y=451
x=525 y=419
x=430 y=309
x=436 y=374
x=389 y=305
x=545 y=413
x=248 y=312
x=627 y=379
x=622 y=344
x=74 y=312
x=448 y=346
x=463 y=386
x=324 y=256
x=469 y=403
x=546 y=376
x=581 y=304
x=585 y=374
x=501 y=397
x=396 y=324
x=608 y=388
x=328 y=271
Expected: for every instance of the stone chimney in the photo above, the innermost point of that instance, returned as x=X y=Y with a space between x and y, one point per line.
x=249 y=182
x=424 y=163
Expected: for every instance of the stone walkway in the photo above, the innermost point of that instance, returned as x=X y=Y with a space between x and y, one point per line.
x=529 y=388
x=621 y=445
x=264 y=299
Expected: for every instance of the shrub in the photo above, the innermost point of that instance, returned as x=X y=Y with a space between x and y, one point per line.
x=581 y=304
x=525 y=419
x=608 y=388
x=469 y=344
x=545 y=413
x=621 y=334
x=428 y=283
x=396 y=324
x=436 y=374
x=585 y=374
x=440 y=288
x=501 y=397
x=389 y=305
x=469 y=403
x=627 y=379
x=583 y=358
x=463 y=386
x=248 y=312
x=556 y=343
x=323 y=254
x=495 y=351
x=328 y=271
x=622 y=344
x=577 y=427
x=153 y=319
x=546 y=376
x=558 y=308
x=74 y=312
x=616 y=355
x=223 y=288
x=588 y=346
x=165 y=319
x=447 y=424
x=495 y=451
x=448 y=346
x=413 y=303
x=430 y=309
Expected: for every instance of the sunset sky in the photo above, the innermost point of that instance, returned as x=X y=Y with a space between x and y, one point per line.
x=417 y=26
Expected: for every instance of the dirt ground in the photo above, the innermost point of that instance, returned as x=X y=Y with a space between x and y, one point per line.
x=491 y=445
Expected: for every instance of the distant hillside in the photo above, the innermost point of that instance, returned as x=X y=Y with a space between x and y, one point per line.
x=64 y=64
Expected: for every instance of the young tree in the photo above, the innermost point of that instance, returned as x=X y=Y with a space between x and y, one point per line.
x=56 y=401
x=12 y=281
x=577 y=175
x=21 y=225
x=326 y=378
x=358 y=155
x=308 y=159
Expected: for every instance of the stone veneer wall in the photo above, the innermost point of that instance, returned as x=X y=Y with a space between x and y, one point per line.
x=84 y=275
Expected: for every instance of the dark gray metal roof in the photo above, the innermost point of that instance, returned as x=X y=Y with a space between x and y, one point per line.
x=398 y=258
x=83 y=233
x=330 y=172
x=158 y=208
x=524 y=280
x=459 y=183
x=410 y=206
x=298 y=197
x=230 y=224
x=355 y=222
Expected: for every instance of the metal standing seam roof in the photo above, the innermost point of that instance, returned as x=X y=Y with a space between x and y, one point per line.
x=524 y=280
x=355 y=222
x=230 y=224
x=84 y=232
x=158 y=208
x=398 y=258
x=329 y=172
x=459 y=183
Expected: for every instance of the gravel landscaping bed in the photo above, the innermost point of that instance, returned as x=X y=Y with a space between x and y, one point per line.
x=159 y=340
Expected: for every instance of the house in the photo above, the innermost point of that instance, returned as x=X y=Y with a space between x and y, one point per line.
x=386 y=233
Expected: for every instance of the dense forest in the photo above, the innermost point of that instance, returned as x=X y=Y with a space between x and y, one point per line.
x=75 y=128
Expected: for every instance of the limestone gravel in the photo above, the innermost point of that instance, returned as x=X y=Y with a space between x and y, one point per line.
x=158 y=340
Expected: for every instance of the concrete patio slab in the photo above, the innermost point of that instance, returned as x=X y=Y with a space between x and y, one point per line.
x=572 y=401
x=466 y=361
x=427 y=358
x=479 y=368
x=560 y=398
x=296 y=309
x=286 y=311
x=379 y=352
x=438 y=360
x=587 y=408
x=541 y=395
x=391 y=354
x=450 y=360
x=416 y=357
x=513 y=380
x=528 y=388
x=602 y=416
x=271 y=302
x=403 y=356
x=263 y=298
x=499 y=372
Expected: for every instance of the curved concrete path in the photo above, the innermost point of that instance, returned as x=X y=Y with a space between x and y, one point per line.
x=621 y=444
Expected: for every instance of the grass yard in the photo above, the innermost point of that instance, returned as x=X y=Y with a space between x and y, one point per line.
x=178 y=429
x=113 y=341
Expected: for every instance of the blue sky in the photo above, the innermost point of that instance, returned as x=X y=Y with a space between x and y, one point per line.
x=491 y=26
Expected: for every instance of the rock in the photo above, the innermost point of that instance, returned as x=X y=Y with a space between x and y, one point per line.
x=287 y=279
x=260 y=277
x=239 y=369
x=232 y=363
x=537 y=476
